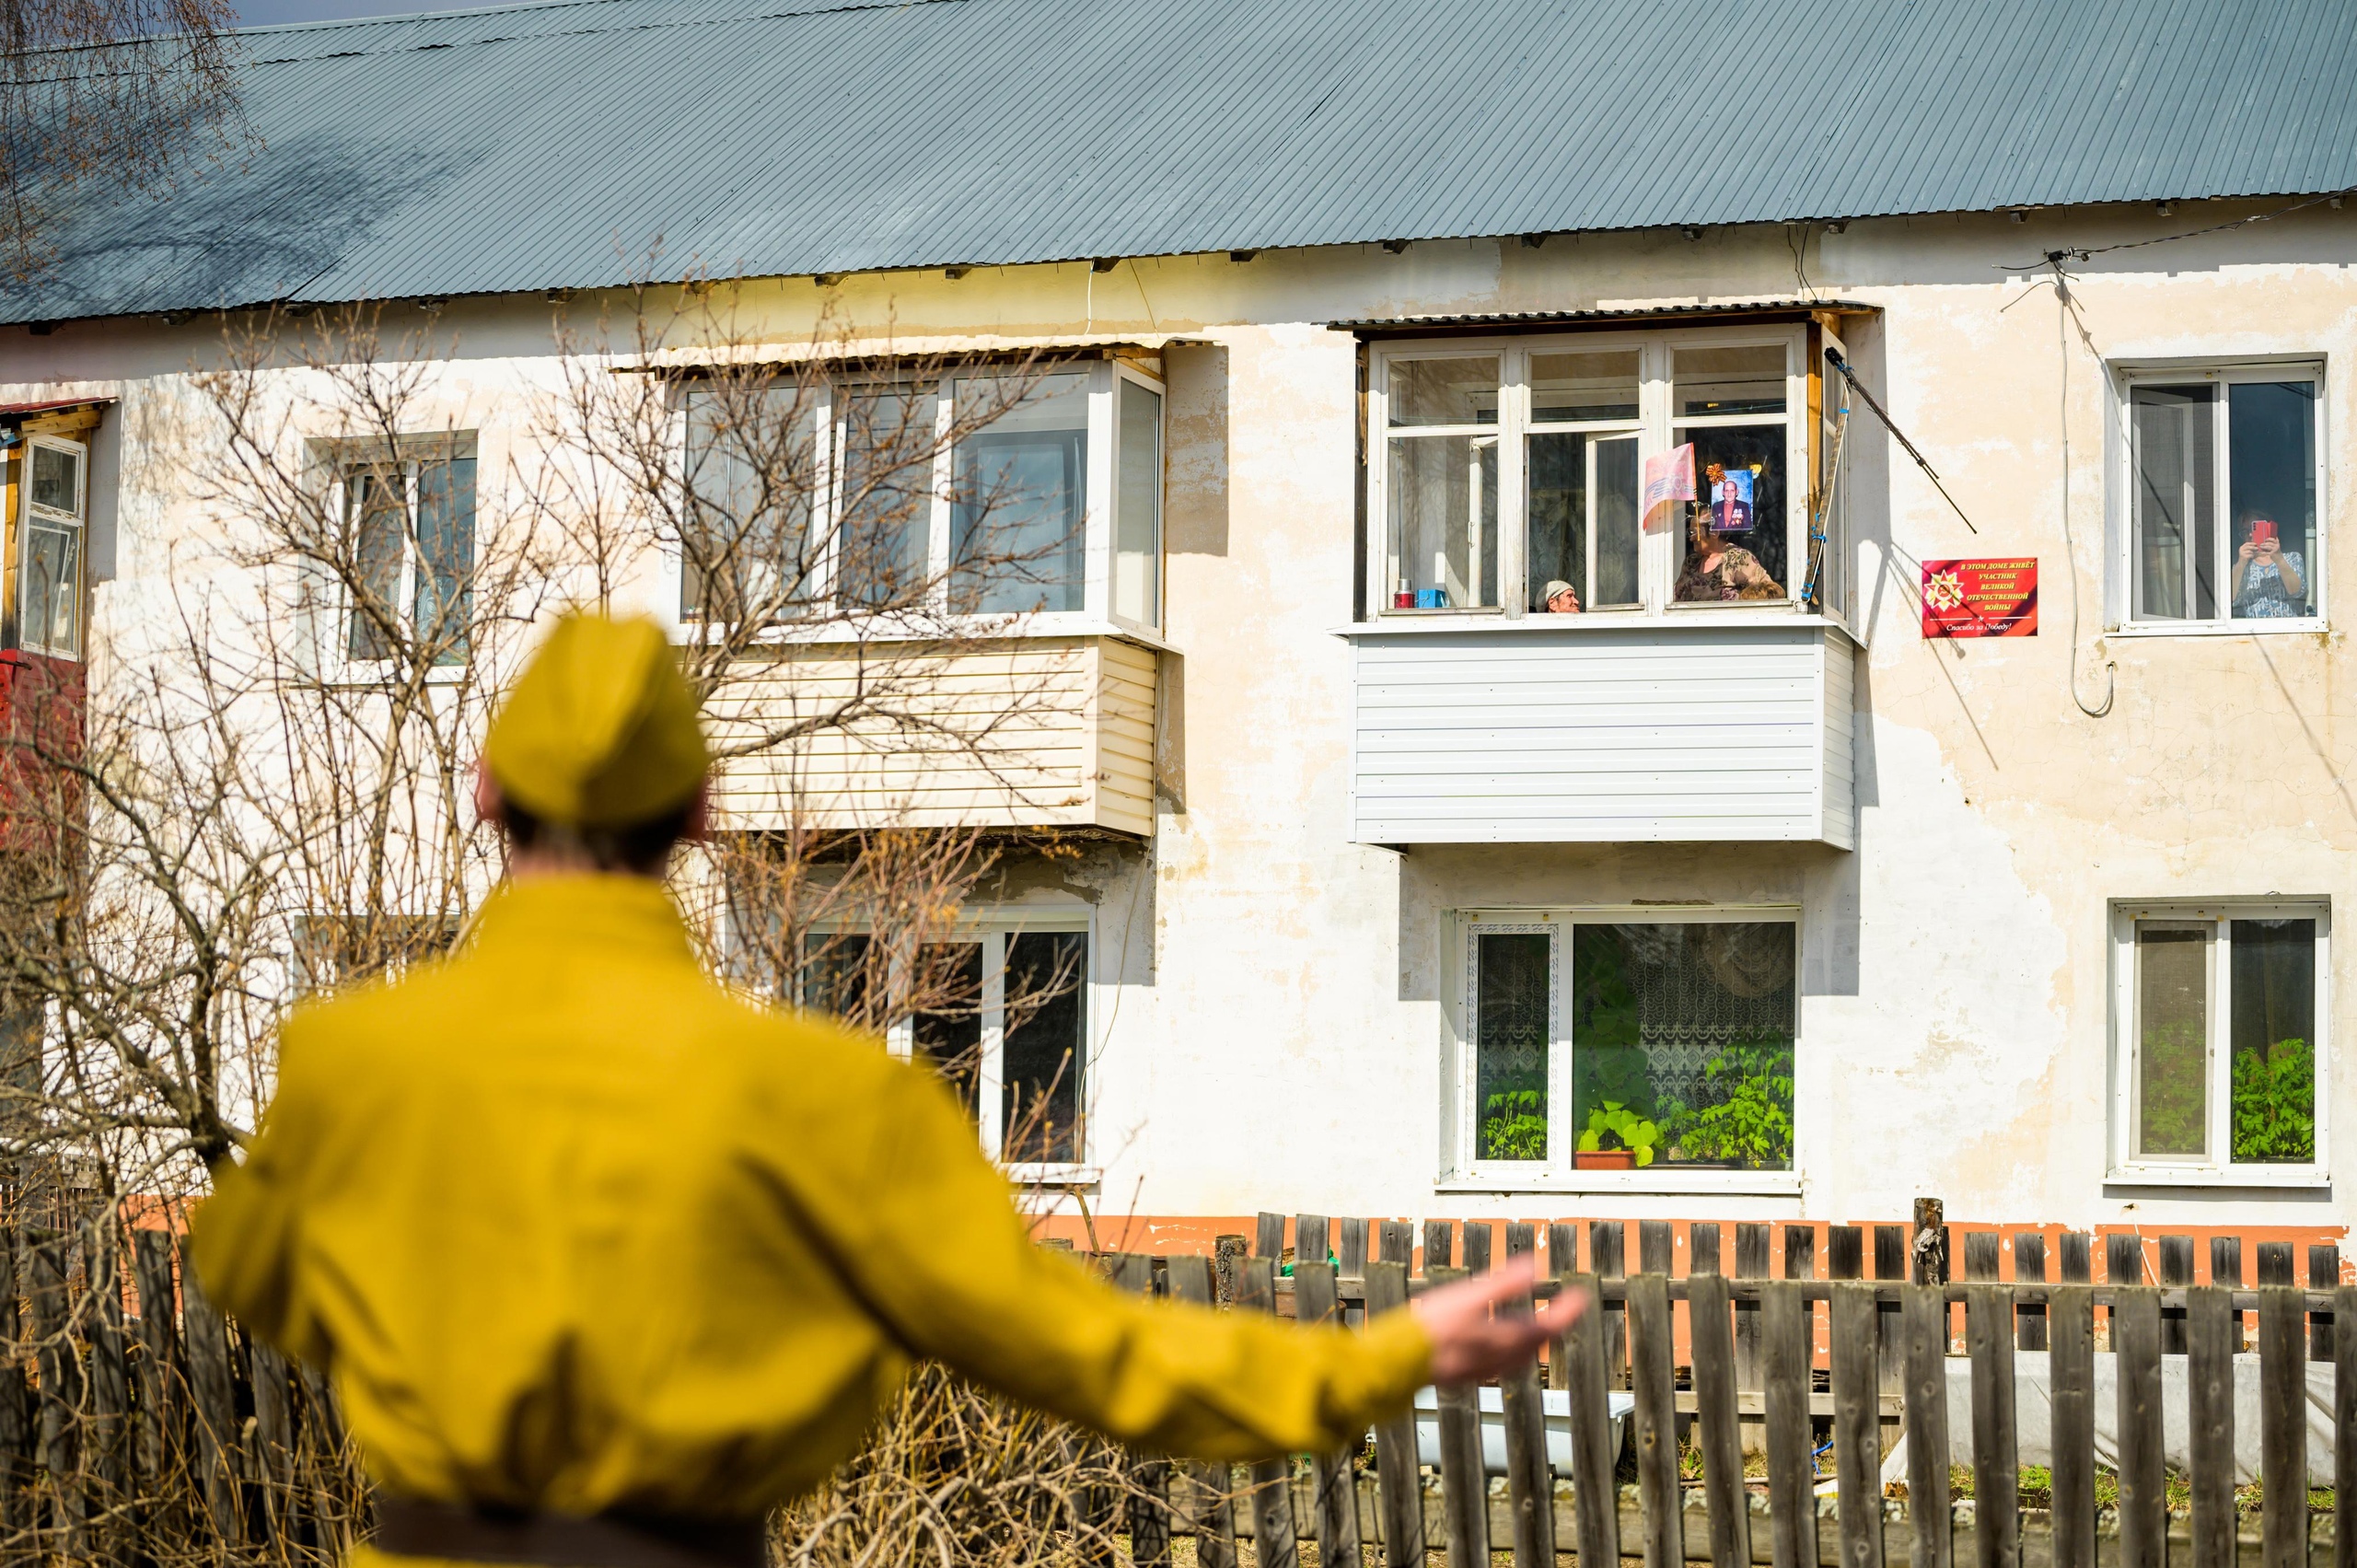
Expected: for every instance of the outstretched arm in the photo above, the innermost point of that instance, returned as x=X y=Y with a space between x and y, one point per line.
x=928 y=1238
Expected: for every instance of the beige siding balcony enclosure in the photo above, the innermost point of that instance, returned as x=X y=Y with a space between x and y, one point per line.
x=1645 y=731
x=1041 y=732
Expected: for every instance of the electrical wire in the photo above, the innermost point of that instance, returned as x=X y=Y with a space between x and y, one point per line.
x=1833 y=358
x=2063 y=309
x=2084 y=253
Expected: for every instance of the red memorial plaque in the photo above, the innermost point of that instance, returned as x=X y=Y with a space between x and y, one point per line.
x=1980 y=599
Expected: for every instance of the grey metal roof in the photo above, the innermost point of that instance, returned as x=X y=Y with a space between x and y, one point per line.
x=539 y=147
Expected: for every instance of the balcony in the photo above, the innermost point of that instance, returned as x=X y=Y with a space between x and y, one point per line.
x=1049 y=732
x=1699 y=727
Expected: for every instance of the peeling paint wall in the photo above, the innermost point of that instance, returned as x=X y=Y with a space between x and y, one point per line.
x=1272 y=994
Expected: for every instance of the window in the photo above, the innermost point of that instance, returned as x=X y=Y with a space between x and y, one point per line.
x=752 y=467
x=1627 y=1041
x=2219 y=1013
x=1001 y=1011
x=974 y=493
x=408 y=547
x=1510 y=475
x=49 y=569
x=2224 y=476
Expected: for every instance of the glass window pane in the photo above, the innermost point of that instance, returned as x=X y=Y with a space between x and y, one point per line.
x=445 y=559
x=834 y=975
x=1584 y=386
x=1687 y=1028
x=2175 y=503
x=1444 y=391
x=1729 y=381
x=1582 y=485
x=1047 y=973
x=1443 y=498
x=1022 y=488
x=1137 y=506
x=2273 y=993
x=1513 y=983
x=379 y=507
x=889 y=434
x=1616 y=522
x=57 y=479
x=2172 y=1041
x=2271 y=490
x=50 y=598
x=1735 y=534
x=946 y=1031
x=751 y=471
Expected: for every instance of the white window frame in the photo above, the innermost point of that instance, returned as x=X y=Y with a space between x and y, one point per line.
x=412 y=459
x=2216 y=1168
x=991 y=928
x=74 y=524
x=1103 y=373
x=1660 y=552
x=1461 y=1171
x=2220 y=373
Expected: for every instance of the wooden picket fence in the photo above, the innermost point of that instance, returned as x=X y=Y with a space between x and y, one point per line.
x=1751 y=1350
x=138 y=1427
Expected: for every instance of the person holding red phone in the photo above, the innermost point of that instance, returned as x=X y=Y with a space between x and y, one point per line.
x=2271 y=582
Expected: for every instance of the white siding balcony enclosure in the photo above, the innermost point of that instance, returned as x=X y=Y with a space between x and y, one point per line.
x=1605 y=599
x=1604 y=733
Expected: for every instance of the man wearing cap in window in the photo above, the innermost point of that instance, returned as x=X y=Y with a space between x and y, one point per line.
x=607 y=1261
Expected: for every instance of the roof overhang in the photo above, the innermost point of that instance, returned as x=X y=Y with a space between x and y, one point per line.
x=1618 y=316
x=691 y=364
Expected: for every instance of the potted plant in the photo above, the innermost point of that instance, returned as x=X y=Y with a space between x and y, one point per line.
x=1750 y=1127
x=1617 y=1139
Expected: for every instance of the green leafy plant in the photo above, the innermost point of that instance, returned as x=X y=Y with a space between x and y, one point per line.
x=1750 y=1124
x=1613 y=1125
x=1514 y=1125
x=2274 y=1112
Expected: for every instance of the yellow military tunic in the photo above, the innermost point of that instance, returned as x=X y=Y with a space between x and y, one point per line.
x=577 y=1229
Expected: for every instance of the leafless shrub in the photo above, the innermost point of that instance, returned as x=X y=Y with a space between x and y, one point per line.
x=265 y=791
x=129 y=94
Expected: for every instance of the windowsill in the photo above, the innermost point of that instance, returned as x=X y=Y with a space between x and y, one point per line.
x=943 y=629
x=1723 y=606
x=1669 y=1182
x=2281 y=1177
x=2266 y=627
x=1412 y=623
x=359 y=676
x=1054 y=1175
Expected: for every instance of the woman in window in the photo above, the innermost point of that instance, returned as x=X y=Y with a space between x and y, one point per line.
x=2271 y=582
x=1717 y=570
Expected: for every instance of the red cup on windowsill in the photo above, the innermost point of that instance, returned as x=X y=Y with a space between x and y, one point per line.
x=1404 y=600
x=1604 y=1159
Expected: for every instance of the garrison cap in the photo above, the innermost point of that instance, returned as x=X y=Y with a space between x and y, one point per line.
x=600 y=731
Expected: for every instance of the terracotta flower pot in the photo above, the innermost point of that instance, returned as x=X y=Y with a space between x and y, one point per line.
x=1605 y=1159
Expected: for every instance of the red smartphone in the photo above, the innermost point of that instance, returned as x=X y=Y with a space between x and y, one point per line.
x=2262 y=531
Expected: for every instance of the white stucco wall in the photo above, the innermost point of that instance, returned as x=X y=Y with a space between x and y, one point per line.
x=1277 y=1038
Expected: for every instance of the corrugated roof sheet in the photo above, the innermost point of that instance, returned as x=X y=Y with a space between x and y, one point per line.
x=563 y=144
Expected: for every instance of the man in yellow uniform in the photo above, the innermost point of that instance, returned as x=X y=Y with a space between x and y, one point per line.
x=608 y=1260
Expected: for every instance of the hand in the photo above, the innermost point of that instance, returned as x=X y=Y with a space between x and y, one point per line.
x=1470 y=1345
x=2249 y=549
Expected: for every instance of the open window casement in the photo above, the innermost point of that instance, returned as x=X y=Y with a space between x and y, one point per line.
x=2226 y=526
x=1506 y=475
x=1824 y=579
x=51 y=526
